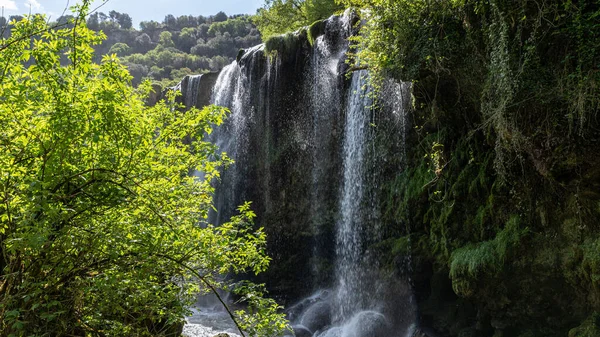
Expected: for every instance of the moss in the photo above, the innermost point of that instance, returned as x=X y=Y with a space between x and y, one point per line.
x=401 y=246
x=590 y=266
x=315 y=30
x=284 y=45
x=471 y=262
x=516 y=119
x=589 y=328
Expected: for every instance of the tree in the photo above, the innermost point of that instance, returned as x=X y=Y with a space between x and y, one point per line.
x=170 y=21
x=103 y=17
x=15 y=18
x=101 y=226
x=93 y=22
x=186 y=21
x=4 y=27
x=187 y=39
x=166 y=39
x=122 y=19
x=150 y=26
x=143 y=43
x=235 y=27
x=62 y=20
x=281 y=16
x=120 y=49
x=220 y=17
x=125 y=21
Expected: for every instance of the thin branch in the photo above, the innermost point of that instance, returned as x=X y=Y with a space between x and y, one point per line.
x=210 y=286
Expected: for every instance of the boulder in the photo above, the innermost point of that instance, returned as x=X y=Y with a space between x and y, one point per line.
x=317 y=316
x=301 y=331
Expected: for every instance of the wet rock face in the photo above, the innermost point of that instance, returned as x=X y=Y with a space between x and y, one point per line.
x=196 y=90
x=266 y=133
x=205 y=90
x=301 y=331
x=270 y=134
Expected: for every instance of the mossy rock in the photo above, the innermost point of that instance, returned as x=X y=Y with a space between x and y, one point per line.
x=471 y=262
x=315 y=30
x=589 y=328
x=285 y=45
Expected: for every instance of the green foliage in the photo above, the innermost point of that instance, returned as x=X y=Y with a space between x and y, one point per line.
x=590 y=265
x=487 y=258
x=283 y=16
x=402 y=246
x=504 y=122
x=589 y=328
x=201 y=44
x=236 y=27
x=261 y=318
x=166 y=39
x=102 y=228
x=119 y=49
x=527 y=74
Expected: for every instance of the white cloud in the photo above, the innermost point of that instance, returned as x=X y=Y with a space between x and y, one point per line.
x=34 y=5
x=8 y=5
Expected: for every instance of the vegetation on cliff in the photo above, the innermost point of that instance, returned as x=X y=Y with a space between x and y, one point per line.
x=498 y=202
x=102 y=229
x=500 y=194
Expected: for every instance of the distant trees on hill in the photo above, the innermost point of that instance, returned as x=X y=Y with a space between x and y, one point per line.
x=168 y=50
x=165 y=51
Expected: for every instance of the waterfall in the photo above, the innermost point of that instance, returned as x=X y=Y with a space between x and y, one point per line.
x=191 y=94
x=302 y=134
x=189 y=88
x=324 y=82
x=349 y=227
x=231 y=90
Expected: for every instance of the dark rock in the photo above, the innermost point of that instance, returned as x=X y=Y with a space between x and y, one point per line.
x=317 y=316
x=301 y=331
x=205 y=89
x=368 y=324
x=240 y=53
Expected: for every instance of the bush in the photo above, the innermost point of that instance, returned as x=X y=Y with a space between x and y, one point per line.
x=101 y=226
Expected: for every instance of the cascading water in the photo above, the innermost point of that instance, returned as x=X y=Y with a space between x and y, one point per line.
x=189 y=90
x=191 y=96
x=324 y=82
x=350 y=288
x=231 y=90
x=300 y=132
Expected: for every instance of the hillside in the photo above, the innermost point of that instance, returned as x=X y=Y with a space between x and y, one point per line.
x=166 y=51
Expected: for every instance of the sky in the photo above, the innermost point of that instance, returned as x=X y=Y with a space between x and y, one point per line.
x=139 y=10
